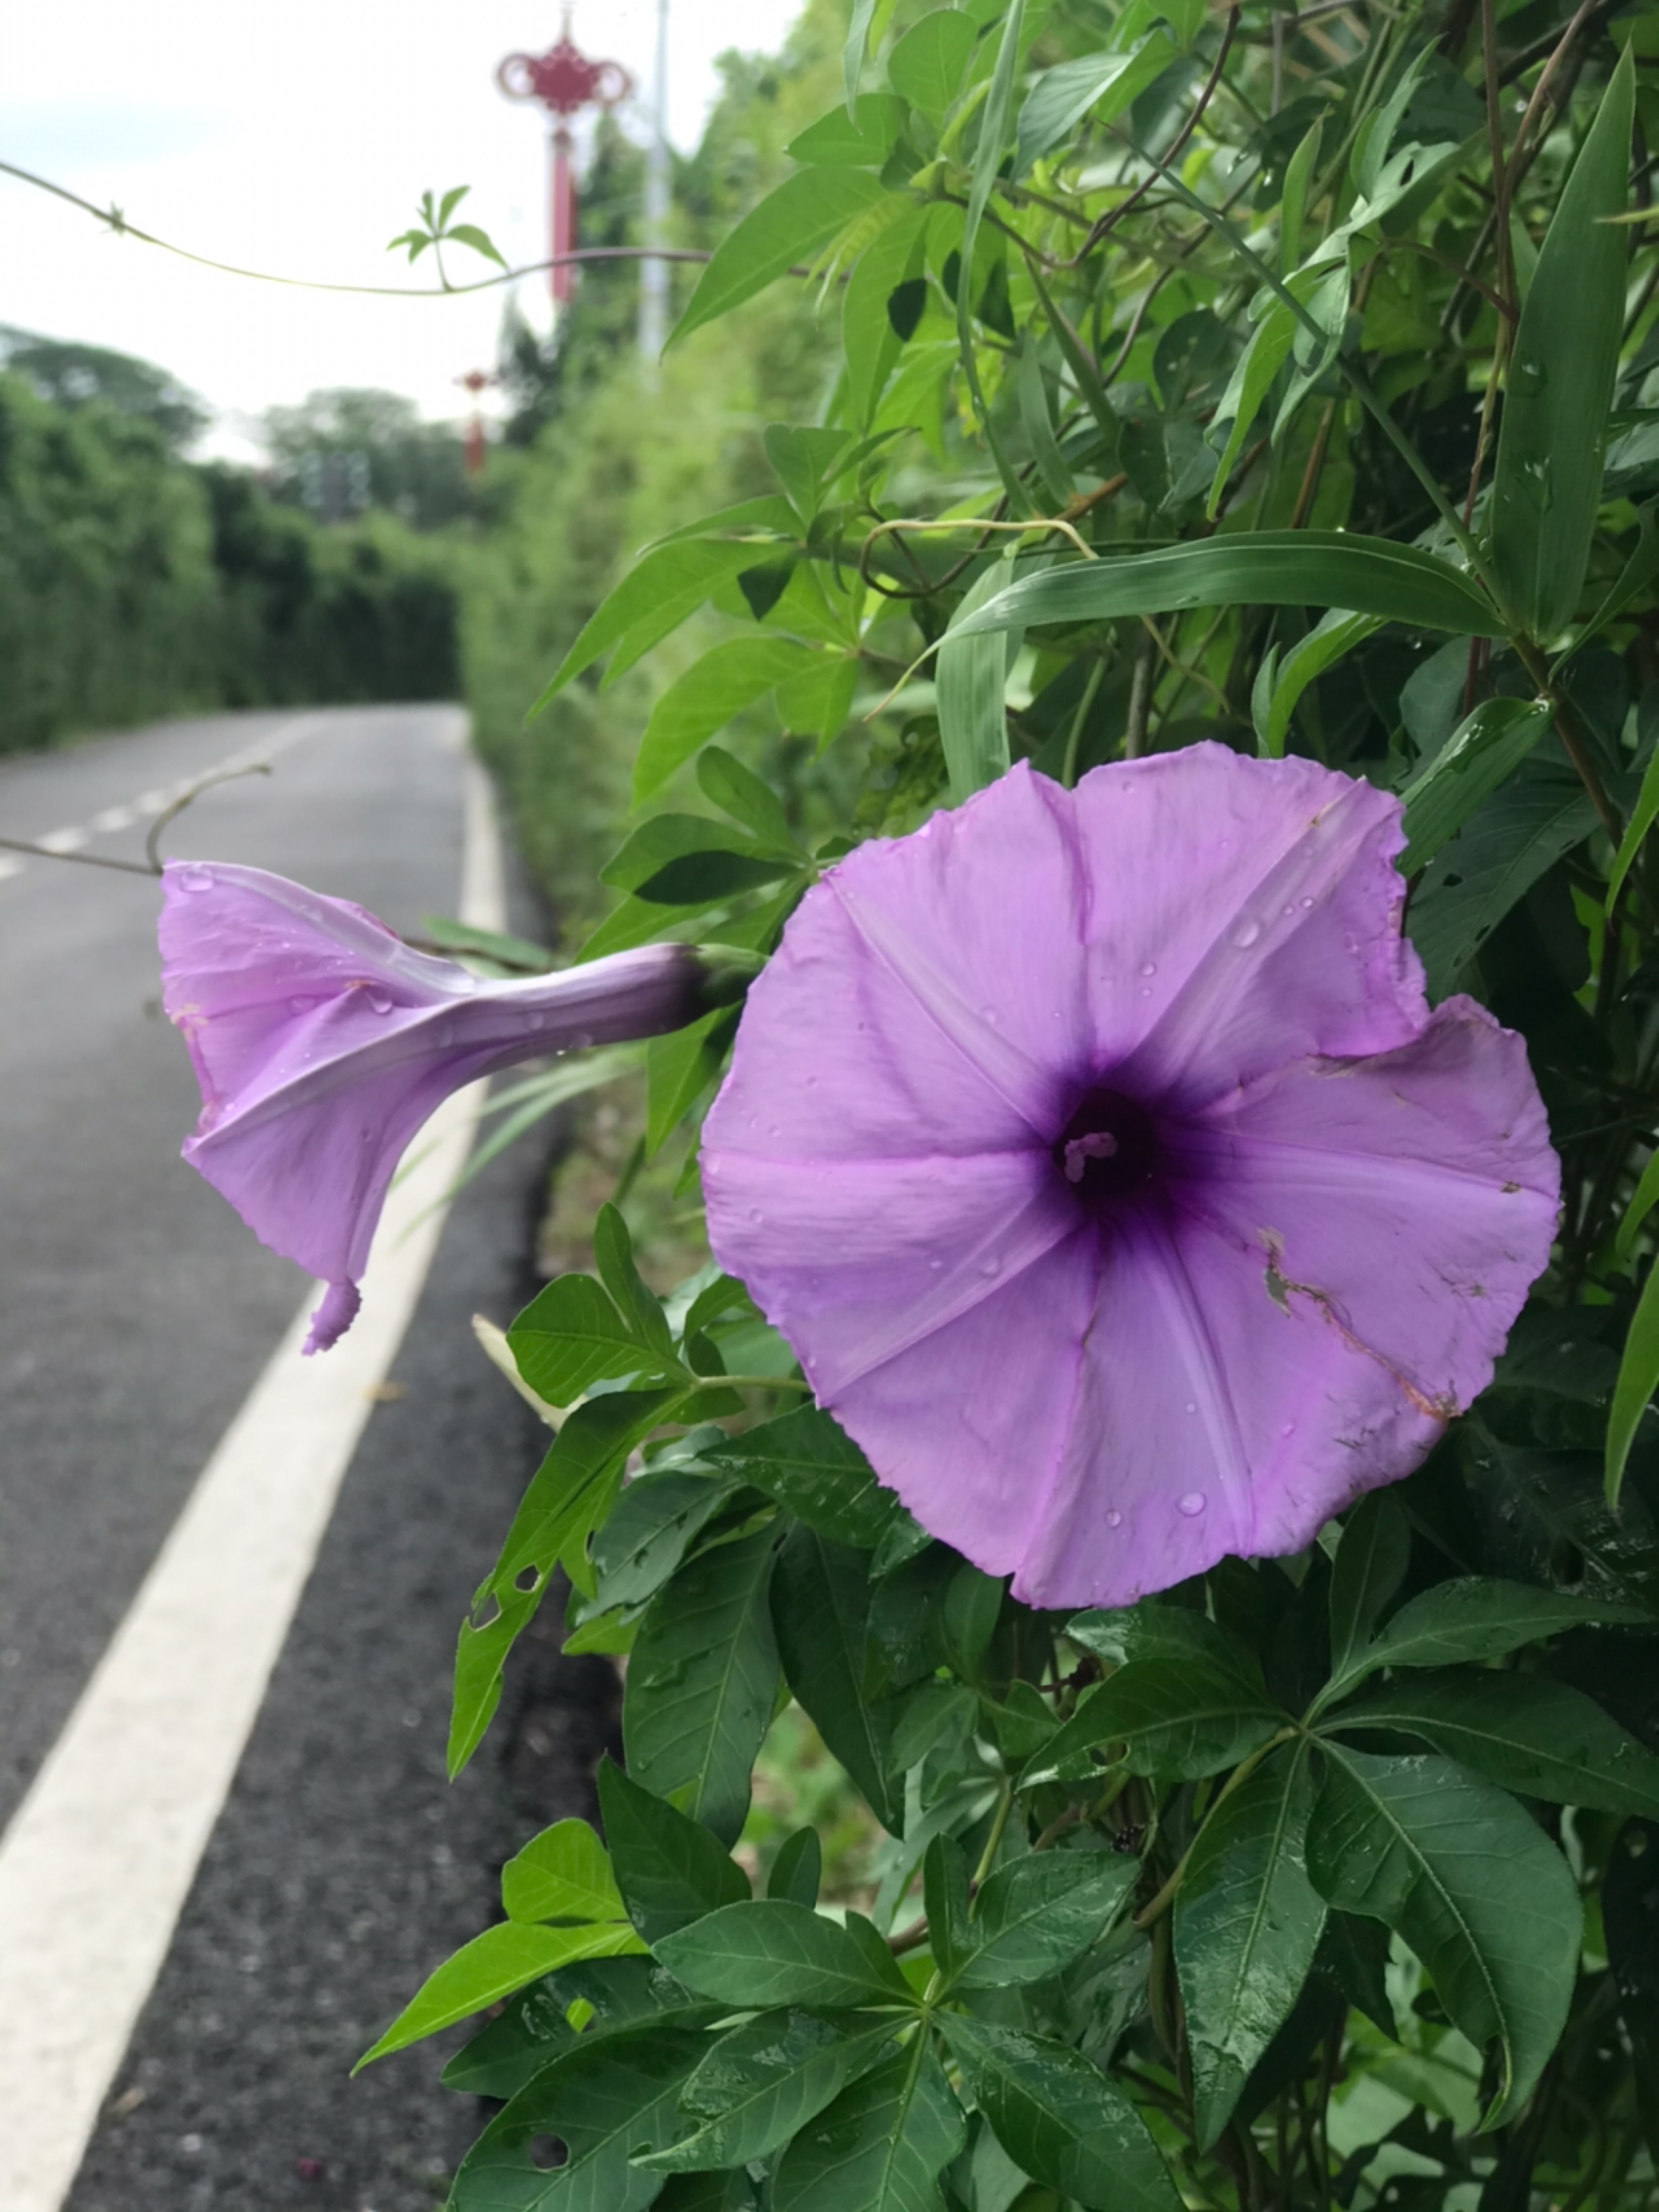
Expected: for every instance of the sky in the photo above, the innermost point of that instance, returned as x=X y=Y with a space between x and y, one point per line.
x=297 y=138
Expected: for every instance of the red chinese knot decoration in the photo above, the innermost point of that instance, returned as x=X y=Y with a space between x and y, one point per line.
x=565 y=81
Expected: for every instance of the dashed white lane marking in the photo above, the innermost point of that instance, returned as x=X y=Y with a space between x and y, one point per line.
x=115 y=819
x=97 y=1863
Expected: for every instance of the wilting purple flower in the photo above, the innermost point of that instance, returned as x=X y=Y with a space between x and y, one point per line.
x=1099 y=1155
x=322 y=1042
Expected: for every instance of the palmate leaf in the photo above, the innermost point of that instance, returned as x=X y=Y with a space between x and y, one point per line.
x=1472 y=1619
x=1472 y=1884
x=1507 y=844
x=655 y=1521
x=812 y=1466
x=1060 y=2119
x=776 y=1952
x=821 y=1610
x=1037 y=1914
x=1105 y=83
x=563 y=1874
x=1482 y=752
x=882 y=2145
x=1547 y=484
x=492 y=1966
x=1180 y=1718
x=1259 y=568
x=702 y=1679
x=761 y=2084
x=1247 y=1923
x=1527 y=1732
x=728 y=678
x=660 y=592
x=672 y=1871
x=1370 y=1564
x=607 y=2100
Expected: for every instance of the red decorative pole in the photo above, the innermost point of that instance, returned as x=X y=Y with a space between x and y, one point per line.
x=565 y=81
x=476 y=381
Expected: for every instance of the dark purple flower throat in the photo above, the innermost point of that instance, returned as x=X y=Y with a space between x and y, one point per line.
x=1109 y=1149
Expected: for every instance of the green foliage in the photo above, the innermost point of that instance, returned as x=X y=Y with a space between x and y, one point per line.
x=1141 y=394
x=132 y=583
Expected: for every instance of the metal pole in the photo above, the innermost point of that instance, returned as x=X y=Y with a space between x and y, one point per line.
x=654 y=274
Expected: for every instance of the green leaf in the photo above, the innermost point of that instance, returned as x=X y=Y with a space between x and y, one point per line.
x=1472 y=1619
x=1525 y=1732
x=798 y=1868
x=1063 y=95
x=812 y=1466
x=1483 y=752
x=563 y=1874
x=493 y=1965
x=1547 y=482
x=1255 y=568
x=655 y=1521
x=1370 y=1564
x=1037 y=1914
x=738 y=792
x=571 y=1335
x=789 y=226
x=1282 y=682
x=1638 y=1378
x=945 y=1896
x=608 y=2099
x=821 y=1610
x=970 y=687
x=762 y=2082
x=710 y=693
x=1472 y=1884
x=869 y=340
x=680 y=1067
x=1177 y=1717
x=469 y=234
x=639 y=1305
x=688 y=859
x=1252 y=379
x=1247 y=1924
x=1630 y=1917
x=773 y=1952
x=671 y=1870
x=1119 y=1633
x=858 y=38
x=566 y=1498
x=504 y=2054
x=860 y=137
x=1060 y=2119
x=1471 y=883
x=926 y=66
x=1053 y=473
x=702 y=1678
x=882 y=2145
x=660 y=592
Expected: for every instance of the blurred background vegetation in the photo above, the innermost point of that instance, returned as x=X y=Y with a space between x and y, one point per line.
x=364 y=563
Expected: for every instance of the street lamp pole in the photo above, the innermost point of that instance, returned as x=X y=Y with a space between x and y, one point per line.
x=654 y=272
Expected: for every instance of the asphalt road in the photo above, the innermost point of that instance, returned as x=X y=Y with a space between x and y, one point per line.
x=136 y=1312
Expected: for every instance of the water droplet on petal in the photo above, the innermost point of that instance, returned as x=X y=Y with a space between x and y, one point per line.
x=1289 y=1429
x=755 y=1214
x=812 y=1083
x=988 y=1014
x=936 y=1266
x=1192 y=1406
x=1192 y=1505
x=991 y=1267
x=1307 y=905
x=300 y=1006
x=1115 y=1519
x=1149 y=968
x=195 y=879
x=380 y=1000
x=466 y=980
x=1245 y=935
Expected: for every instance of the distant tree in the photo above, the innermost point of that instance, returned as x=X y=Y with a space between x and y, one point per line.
x=70 y=374
x=343 y=449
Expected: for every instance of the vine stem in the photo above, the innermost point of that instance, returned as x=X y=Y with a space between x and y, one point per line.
x=1576 y=751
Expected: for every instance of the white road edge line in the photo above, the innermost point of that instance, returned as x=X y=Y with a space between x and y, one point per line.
x=98 y=1859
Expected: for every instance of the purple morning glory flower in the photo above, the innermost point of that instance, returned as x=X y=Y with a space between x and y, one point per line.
x=322 y=1042
x=1099 y=1155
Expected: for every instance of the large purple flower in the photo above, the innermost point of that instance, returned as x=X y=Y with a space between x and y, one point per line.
x=1099 y=1155
x=322 y=1042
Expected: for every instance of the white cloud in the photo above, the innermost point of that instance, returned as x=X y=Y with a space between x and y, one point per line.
x=296 y=139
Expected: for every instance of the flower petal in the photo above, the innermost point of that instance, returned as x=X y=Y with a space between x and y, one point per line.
x=862 y=1259
x=938 y=1010
x=1243 y=912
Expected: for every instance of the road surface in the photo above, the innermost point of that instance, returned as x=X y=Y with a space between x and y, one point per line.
x=137 y=1316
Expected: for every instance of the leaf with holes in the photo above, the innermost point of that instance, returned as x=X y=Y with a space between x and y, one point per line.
x=493 y=1965
x=762 y=2082
x=563 y=1874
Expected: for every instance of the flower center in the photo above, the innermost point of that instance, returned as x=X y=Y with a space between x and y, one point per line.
x=1108 y=1148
